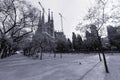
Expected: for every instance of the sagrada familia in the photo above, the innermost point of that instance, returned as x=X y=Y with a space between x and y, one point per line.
x=47 y=28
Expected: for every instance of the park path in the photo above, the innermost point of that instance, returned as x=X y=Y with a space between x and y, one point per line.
x=19 y=67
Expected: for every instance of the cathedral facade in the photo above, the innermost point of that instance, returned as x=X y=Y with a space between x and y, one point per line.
x=45 y=33
x=46 y=27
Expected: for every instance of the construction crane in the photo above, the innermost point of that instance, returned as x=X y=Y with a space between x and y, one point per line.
x=61 y=21
x=43 y=9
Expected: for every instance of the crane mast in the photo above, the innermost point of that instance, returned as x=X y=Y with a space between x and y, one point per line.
x=61 y=21
x=43 y=9
x=41 y=6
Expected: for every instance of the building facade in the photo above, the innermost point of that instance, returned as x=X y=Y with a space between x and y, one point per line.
x=46 y=27
x=46 y=31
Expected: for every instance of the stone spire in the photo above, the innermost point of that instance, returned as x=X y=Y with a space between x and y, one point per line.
x=52 y=16
x=52 y=24
x=43 y=17
x=40 y=21
x=48 y=15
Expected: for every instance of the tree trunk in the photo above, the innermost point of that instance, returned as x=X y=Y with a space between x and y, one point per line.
x=60 y=55
x=100 y=57
x=105 y=63
x=41 y=55
x=104 y=58
x=54 y=55
x=1 y=53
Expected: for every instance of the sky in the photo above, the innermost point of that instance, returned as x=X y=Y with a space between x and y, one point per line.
x=72 y=11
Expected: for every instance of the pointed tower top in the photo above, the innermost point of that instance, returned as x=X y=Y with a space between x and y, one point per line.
x=43 y=18
x=48 y=15
x=40 y=20
x=51 y=15
x=40 y=14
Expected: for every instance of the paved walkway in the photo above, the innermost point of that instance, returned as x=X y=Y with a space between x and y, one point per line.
x=114 y=67
x=98 y=73
x=70 y=67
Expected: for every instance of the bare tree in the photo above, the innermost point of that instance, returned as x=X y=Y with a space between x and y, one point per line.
x=41 y=43
x=15 y=22
x=98 y=16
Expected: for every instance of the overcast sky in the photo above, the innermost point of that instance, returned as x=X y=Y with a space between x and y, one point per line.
x=72 y=10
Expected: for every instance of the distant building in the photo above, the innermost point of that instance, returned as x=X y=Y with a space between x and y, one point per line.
x=111 y=31
x=105 y=42
x=94 y=31
x=113 y=36
x=118 y=30
x=92 y=41
x=46 y=27
x=93 y=34
x=60 y=35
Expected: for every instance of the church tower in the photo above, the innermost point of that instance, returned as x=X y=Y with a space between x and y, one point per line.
x=40 y=23
x=48 y=15
x=43 y=17
x=52 y=24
